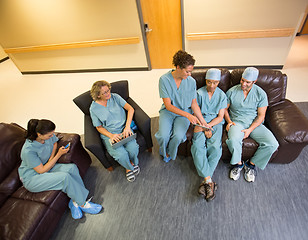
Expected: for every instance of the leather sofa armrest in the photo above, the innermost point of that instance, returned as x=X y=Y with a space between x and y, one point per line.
x=143 y=122
x=287 y=122
x=65 y=138
x=77 y=154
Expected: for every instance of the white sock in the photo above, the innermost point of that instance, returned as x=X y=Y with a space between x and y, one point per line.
x=208 y=180
x=87 y=204
x=75 y=204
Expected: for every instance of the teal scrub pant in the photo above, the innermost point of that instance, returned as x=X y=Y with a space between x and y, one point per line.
x=171 y=133
x=264 y=137
x=64 y=177
x=125 y=153
x=207 y=152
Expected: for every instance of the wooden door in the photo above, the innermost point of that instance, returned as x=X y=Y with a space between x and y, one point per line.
x=305 y=27
x=165 y=36
x=304 y=24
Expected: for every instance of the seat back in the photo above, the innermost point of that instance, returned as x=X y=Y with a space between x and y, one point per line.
x=273 y=82
x=199 y=76
x=84 y=100
x=11 y=141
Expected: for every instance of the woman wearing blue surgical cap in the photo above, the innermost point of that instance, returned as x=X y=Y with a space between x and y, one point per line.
x=178 y=91
x=206 y=149
x=108 y=114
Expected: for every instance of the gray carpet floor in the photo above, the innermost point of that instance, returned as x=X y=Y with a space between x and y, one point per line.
x=163 y=202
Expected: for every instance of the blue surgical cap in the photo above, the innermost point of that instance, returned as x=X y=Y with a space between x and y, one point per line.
x=251 y=74
x=213 y=74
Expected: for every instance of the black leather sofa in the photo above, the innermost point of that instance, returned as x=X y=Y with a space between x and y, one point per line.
x=23 y=214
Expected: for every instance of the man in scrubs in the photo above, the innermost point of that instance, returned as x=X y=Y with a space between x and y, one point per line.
x=178 y=90
x=206 y=149
x=247 y=104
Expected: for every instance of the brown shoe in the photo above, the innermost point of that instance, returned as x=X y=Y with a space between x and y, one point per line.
x=201 y=190
x=210 y=189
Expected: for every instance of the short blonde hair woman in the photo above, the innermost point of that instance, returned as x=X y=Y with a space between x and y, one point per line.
x=108 y=114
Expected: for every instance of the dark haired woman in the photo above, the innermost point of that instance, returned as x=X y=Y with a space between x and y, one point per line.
x=178 y=90
x=108 y=114
x=39 y=170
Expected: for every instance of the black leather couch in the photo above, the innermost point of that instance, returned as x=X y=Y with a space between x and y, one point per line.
x=92 y=138
x=26 y=215
x=283 y=118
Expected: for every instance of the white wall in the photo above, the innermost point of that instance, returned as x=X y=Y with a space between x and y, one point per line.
x=50 y=96
x=202 y=16
x=35 y=22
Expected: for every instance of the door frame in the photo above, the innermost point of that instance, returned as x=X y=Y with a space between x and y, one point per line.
x=144 y=37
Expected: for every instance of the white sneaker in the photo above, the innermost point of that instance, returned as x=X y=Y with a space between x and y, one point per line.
x=235 y=172
x=250 y=174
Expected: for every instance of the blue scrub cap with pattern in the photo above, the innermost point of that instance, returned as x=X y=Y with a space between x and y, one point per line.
x=213 y=74
x=251 y=74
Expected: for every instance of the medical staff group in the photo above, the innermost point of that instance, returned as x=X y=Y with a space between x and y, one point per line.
x=242 y=107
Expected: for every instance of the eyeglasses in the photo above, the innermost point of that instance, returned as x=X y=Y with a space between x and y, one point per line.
x=106 y=92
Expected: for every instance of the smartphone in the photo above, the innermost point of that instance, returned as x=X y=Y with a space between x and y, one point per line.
x=67 y=145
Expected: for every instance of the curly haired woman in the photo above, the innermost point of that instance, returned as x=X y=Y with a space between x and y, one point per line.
x=178 y=90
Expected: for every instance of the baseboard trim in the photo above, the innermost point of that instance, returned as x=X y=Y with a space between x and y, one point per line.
x=235 y=67
x=4 y=59
x=88 y=70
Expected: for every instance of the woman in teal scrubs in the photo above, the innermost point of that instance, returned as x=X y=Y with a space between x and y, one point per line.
x=206 y=149
x=39 y=170
x=111 y=121
x=178 y=90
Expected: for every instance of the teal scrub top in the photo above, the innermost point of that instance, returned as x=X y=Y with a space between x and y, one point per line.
x=210 y=108
x=34 y=153
x=245 y=110
x=112 y=117
x=180 y=97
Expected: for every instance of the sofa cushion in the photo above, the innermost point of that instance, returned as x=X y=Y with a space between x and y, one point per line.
x=45 y=197
x=19 y=218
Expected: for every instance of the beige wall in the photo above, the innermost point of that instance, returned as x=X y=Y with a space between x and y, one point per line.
x=50 y=96
x=32 y=23
x=202 y=16
x=2 y=53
